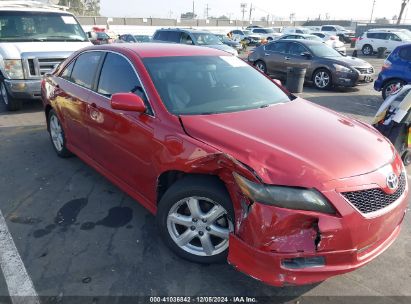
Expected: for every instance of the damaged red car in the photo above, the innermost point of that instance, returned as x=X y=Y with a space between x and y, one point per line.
x=233 y=166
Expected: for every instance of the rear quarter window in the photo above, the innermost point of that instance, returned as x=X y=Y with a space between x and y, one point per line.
x=405 y=54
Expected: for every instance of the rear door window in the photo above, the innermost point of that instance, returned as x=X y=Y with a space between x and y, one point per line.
x=174 y=36
x=85 y=68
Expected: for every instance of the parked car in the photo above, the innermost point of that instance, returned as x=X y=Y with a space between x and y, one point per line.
x=369 y=42
x=404 y=31
x=396 y=71
x=325 y=66
x=135 y=38
x=345 y=35
x=245 y=35
x=98 y=38
x=296 y=30
x=234 y=44
x=250 y=27
x=143 y=38
x=168 y=124
x=34 y=39
x=335 y=44
x=265 y=33
x=192 y=37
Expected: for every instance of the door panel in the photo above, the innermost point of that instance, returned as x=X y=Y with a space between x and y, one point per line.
x=122 y=141
x=274 y=57
x=73 y=92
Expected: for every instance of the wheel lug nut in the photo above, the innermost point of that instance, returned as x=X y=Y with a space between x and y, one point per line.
x=201 y=233
x=208 y=228
x=193 y=228
x=204 y=220
x=195 y=220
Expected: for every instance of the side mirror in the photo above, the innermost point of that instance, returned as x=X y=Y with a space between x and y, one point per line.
x=127 y=102
x=306 y=55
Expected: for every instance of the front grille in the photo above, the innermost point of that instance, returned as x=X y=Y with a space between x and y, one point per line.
x=365 y=70
x=37 y=67
x=371 y=200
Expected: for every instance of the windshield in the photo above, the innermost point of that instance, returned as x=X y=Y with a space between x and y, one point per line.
x=404 y=35
x=322 y=50
x=206 y=39
x=247 y=33
x=340 y=28
x=39 y=26
x=199 y=85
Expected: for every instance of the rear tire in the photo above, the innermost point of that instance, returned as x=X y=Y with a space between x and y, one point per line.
x=392 y=87
x=12 y=104
x=367 y=50
x=186 y=224
x=57 y=135
x=261 y=66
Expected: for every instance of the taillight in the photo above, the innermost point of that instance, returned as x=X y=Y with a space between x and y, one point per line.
x=387 y=64
x=360 y=38
x=333 y=37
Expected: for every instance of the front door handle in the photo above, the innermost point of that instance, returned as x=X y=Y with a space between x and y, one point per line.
x=287 y=58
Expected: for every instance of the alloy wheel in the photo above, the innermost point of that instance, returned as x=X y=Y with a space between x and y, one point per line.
x=199 y=226
x=366 y=50
x=56 y=133
x=322 y=79
x=260 y=66
x=393 y=89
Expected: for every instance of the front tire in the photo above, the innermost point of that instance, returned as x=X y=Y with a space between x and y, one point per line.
x=322 y=79
x=261 y=66
x=57 y=136
x=195 y=217
x=12 y=104
x=391 y=88
x=367 y=50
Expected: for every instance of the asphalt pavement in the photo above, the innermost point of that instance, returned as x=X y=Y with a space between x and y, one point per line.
x=79 y=235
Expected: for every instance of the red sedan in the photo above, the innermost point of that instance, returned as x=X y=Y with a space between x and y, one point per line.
x=234 y=167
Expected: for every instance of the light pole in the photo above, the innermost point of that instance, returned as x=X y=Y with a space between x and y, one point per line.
x=372 y=10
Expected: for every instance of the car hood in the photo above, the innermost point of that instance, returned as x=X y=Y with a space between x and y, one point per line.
x=222 y=47
x=350 y=61
x=296 y=143
x=15 y=49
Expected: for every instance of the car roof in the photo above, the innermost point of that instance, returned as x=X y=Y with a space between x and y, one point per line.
x=161 y=49
x=186 y=30
x=302 y=41
x=33 y=9
x=299 y=34
x=387 y=30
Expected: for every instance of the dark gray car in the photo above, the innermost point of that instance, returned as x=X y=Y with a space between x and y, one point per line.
x=325 y=66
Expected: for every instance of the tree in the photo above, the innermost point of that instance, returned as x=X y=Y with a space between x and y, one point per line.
x=403 y=5
x=82 y=7
x=188 y=15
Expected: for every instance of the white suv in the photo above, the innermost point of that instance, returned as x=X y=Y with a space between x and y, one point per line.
x=34 y=39
x=370 y=41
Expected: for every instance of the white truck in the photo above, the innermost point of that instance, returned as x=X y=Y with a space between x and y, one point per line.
x=34 y=39
x=342 y=33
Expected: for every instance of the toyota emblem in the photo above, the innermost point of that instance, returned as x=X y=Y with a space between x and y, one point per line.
x=392 y=181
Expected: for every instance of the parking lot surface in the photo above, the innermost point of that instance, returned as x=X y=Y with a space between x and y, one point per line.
x=79 y=235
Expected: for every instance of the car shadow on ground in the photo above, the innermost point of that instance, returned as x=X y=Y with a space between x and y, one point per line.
x=79 y=235
x=29 y=106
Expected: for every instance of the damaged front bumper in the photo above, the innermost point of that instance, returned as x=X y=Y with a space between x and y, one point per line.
x=294 y=247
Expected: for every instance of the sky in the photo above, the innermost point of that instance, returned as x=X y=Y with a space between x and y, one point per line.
x=303 y=9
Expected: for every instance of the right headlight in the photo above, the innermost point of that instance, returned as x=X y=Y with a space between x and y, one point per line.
x=285 y=197
x=13 y=68
x=341 y=68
